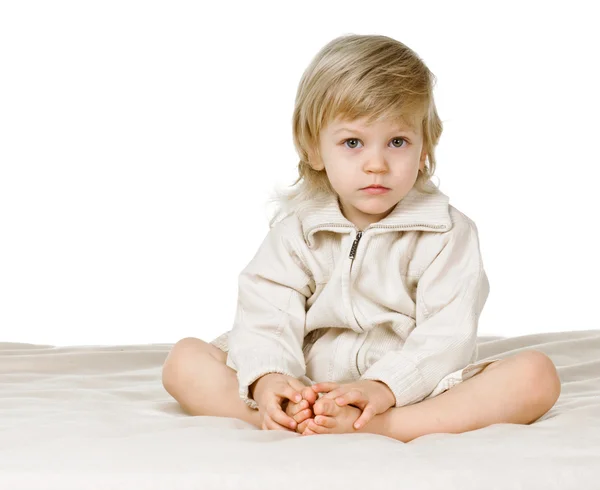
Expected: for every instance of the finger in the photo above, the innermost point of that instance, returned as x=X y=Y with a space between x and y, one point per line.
x=279 y=416
x=309 y=395
x=368 y=413
x=289 y=393
x=353 y=396
x=284 y=390
x=273 y=425
x=273 y=411
x=335 y=393
x=325 y=421
x=324 y=387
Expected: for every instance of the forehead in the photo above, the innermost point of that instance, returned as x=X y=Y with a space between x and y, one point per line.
x=362 y=126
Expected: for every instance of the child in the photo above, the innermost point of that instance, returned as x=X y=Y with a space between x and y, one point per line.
x=359 y=311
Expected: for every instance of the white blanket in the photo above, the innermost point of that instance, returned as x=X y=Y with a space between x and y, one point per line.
x=98 y=417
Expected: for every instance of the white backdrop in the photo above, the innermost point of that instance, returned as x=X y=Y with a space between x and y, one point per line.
x=139 y=142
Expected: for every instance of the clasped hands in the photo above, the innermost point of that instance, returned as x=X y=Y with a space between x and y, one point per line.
x=283 y=400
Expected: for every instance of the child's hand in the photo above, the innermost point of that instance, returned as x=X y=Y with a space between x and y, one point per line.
x=302 y=411
x=270 y=393
x=372 y=397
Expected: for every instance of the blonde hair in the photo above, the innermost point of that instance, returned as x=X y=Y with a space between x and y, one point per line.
x=352 y=77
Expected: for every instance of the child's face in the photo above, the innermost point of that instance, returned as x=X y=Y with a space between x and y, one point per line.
x=383 y=153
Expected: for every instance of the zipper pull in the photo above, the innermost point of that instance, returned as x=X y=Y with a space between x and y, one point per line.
x=355 y=244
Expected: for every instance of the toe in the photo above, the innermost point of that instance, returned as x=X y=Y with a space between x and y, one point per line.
x=319 y=429
x=303 y=405
x=325 y=406
x=303 y=415
x=295 y=408
x=323 y=421
x=303 y=426
x=289 y=410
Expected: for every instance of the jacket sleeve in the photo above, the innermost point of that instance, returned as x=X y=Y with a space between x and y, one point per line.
x=451 y=294
x=268 y=330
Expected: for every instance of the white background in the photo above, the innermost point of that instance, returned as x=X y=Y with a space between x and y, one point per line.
x=140 y=141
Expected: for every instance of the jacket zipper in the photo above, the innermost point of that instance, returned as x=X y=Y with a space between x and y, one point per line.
x=359 y=234
x=355 y=244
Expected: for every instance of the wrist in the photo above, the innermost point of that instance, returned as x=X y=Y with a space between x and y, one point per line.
x=252 y=389
x=388 y=394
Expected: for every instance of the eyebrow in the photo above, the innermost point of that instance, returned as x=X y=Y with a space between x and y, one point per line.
x=401 y=130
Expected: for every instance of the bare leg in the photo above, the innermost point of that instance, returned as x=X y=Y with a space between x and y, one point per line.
x=195 y=374
x=516 y=390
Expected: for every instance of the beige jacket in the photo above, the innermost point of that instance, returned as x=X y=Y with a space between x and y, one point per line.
x=398 y=302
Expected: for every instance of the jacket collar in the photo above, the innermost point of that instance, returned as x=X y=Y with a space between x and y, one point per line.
x=416 y=211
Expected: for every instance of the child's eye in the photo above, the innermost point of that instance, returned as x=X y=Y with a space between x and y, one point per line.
x=393 y=139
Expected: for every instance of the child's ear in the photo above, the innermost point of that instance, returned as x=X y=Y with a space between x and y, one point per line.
x=423 y=159
x=314 y=161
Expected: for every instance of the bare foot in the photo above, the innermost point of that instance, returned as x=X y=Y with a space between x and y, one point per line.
x=302 y=411
x=331 y=418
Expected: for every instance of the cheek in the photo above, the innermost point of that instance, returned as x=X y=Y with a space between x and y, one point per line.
x=339 y=177
x=405 y=170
